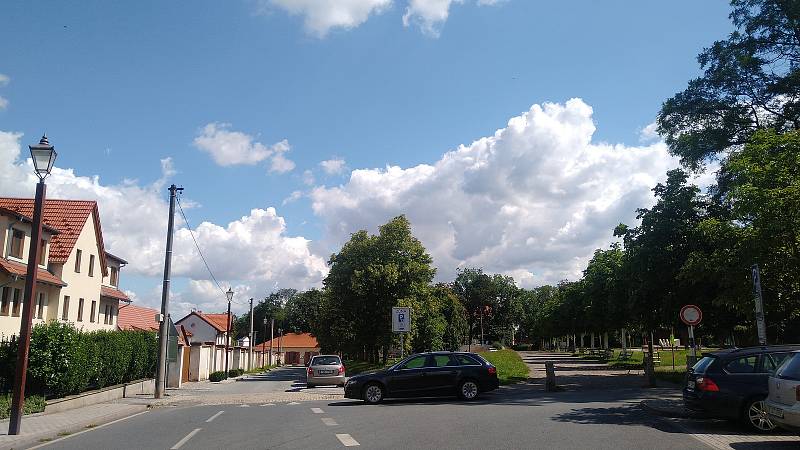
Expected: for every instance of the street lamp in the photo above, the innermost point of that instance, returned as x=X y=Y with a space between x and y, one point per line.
x=43 y=156
x=228 y=294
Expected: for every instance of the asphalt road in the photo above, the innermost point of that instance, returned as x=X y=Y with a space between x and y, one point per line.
x=514 y=417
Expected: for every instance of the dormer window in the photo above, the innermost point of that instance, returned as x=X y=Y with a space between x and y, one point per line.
x=17 y=240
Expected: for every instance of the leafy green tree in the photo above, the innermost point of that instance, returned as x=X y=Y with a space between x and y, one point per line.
x=475 y=290
x=750 y=81
x=369 y=276
x=302 y=311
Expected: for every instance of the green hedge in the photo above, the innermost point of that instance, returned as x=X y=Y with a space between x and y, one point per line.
x=233 y=373
x=33 y=404
x=217 y=376
x=65 y=361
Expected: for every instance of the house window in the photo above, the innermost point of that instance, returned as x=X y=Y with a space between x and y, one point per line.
x=113 y=276
x=40 y=303
x=80 y=310
x=78 y=261
x=16 y=303
x=17 y=239
x=65 y=311
x=113 y=313
x=43 y=252
x=6 y=301
x=91 y=265
x=92 y=311
x=105 y=314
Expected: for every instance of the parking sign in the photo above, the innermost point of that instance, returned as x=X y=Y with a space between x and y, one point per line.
x=401 y=320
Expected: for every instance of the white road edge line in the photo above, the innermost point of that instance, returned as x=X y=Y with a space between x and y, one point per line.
x=317 y=411
x=329 y=422
x=268 y=404
x=185 y=439
x=347 y=440
x=211 y=419
x=87 y=430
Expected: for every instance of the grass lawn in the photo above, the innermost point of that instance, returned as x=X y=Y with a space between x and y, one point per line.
x=510 y=367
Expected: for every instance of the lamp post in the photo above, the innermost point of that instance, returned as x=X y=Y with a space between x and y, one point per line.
x=228 y=294
x=43 y=156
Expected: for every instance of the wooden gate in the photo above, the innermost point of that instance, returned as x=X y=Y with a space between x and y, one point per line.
x=187 y=352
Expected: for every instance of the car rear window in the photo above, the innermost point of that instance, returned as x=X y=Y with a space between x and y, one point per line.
x=790 y=369
x=465 y=360
x=703 y=365
x=745 y=364
x=772 y=361
x=325 y=361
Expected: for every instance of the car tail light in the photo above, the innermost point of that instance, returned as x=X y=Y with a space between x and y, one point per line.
x=706 y=384
x=310 y=371
x=492 y=370
x=341 y=370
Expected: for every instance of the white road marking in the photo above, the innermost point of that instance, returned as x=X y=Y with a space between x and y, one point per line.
x=244 y=406
x=293 y=403
x=185 y=439
x=87 y=430
x=317 y=411
x=347 y=440
x=268 y=404
x=329 y=422
x=211 y=419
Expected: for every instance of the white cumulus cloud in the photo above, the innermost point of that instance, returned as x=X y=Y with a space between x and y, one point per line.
x=533 y=200
x=430 y=15
x=333 y=166
x=254 y=251
x=229 y=148
x=320 y=16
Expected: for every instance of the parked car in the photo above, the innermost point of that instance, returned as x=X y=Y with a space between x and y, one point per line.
x=733 y=384
x=783 y=403
x=325 y=369
x=426 y=375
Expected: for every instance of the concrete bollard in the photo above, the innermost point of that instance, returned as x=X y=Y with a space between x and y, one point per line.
x=550 y=372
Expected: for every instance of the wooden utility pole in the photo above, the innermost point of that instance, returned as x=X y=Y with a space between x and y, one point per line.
x=228 y=337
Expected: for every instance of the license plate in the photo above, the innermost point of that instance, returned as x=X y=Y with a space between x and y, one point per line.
x=325 y=372
x=772 y=411
x=690 y=384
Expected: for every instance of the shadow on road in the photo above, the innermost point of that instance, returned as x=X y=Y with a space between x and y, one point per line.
x=764 y=445
x=630 y=414
x=285 y=374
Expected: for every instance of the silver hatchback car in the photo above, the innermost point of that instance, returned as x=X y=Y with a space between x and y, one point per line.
x=325 y=369
x=783 y=403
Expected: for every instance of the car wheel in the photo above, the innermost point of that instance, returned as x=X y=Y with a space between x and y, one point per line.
x=756 y=417
x=468 y=390
x=373 y=393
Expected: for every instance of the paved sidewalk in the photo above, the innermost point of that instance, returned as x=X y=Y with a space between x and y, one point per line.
x=38 y=428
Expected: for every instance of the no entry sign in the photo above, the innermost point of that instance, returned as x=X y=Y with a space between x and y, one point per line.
x=691 y=315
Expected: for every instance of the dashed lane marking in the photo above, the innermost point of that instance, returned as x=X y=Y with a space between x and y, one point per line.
x=329 y=422
x=87 y=430
x=185 y=439
x=293 y=403
x=211 y=419
x=244 y=406
x=268 y=404
x=347 y=440
x=317 y=411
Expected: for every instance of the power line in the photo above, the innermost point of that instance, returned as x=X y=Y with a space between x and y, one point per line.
x=191 y=233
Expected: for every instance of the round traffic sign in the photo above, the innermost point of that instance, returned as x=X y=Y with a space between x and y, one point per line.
x=691 y=315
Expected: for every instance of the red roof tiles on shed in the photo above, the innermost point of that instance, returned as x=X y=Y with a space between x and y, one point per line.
x=137 y=318
x=291 y=340
x=66 y=216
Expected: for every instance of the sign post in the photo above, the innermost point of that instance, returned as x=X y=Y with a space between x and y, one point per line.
x=760 y=323
x=691 y=316
x=401 y=323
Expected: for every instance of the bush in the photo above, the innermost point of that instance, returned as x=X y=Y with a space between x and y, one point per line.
x=498 y=345
x=217 y=376
x=33 y=404
x=233 y=373
x=65 y=361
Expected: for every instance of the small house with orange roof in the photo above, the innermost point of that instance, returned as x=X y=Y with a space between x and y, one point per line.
x=208 y=337
x=290 y=348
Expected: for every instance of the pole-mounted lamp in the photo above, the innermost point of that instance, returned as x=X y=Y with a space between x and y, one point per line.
x=44 y=156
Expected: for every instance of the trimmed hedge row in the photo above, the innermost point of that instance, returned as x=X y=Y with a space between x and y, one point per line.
x=217 y=376
x=65 y=361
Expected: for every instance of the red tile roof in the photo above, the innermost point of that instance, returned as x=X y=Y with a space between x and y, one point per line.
x=43 y=276
x=106 y=291
x=218 y=321
x=291 y=340
x=66 y=216
x=137 y=318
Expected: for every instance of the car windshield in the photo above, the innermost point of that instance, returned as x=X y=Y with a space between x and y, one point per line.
x=325 y=361
x=790 y=369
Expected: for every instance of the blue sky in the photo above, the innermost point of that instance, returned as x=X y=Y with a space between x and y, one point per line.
x=121 y=85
